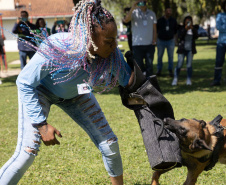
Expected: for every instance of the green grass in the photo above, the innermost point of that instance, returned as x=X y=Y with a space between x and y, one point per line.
x=11 y=56
x=77 y=161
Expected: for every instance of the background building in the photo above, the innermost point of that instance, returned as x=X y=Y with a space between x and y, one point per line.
x=50 y=10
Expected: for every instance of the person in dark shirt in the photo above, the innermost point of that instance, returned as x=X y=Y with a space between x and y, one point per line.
x=59 y=26
x=23 y=28
x=187 y=34
x=166 y=30
x=129 y=30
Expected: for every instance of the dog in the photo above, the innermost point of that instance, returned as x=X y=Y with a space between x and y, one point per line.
x=201 y=144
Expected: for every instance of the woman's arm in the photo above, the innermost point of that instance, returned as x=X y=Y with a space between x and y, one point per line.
x=154 y=34
x=27 y=81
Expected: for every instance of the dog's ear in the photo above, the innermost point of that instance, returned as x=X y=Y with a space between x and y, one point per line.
x=199 y=144
x=203 y=123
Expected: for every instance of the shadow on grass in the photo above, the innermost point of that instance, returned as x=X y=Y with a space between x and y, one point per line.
x=203 y=72
x=14 y=66
x=205 y=41
x=11 y=79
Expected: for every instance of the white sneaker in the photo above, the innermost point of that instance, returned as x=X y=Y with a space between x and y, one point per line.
x=0 y=82
x=174 y=81
x=189 y=81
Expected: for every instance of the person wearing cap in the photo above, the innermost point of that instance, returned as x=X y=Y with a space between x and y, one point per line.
x=144 y=35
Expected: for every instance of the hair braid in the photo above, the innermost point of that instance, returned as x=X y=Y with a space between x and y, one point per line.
x=72 y=53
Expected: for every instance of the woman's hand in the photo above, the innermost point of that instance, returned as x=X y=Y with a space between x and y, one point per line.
x=47 y=133
x=134 y=6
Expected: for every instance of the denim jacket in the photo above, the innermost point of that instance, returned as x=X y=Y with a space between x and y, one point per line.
x=221 y=26
x=35 y=73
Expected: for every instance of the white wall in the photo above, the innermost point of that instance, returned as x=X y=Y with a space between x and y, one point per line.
x=7 y=5
x=10 y=45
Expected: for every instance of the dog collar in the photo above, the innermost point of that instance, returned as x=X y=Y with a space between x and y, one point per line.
x=219 y=133
x=205 y=158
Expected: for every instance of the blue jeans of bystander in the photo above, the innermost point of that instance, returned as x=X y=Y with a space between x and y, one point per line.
x=169 y=45
x=147 y=53
x=220 y=58
x=180 y=62
x=83 y=109
x=23 y=57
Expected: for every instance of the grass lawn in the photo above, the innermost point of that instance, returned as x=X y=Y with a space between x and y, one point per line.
x=77 y=161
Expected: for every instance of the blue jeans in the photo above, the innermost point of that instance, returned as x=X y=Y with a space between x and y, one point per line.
x=180 y=62
x=147 y=53
x=220 y=58
x=85 y=111
x=169 y=45
x=23 y=57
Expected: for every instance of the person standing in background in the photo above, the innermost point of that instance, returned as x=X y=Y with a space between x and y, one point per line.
x=2 y=51
x=128 y=31
x=209 y=32
x=221 y=45
x=144 y=34
x=187 y=34
x=22 y=27
x=166 y=30
x=59 y=26
x=41 y=27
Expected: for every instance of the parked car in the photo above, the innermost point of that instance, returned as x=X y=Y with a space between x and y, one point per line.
x=123 y=36
x=202 y=32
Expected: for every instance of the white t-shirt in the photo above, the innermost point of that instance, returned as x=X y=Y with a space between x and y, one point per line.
x=142 y=27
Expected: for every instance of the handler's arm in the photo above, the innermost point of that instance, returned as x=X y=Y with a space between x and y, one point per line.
x=27 y=82
x=154 y=40
x=16 y=28
x=154 y=34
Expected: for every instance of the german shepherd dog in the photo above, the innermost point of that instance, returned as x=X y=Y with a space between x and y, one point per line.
x=198 y=142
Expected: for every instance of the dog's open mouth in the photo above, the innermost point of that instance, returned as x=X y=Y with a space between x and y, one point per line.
x=174 y=126
x=168 y=124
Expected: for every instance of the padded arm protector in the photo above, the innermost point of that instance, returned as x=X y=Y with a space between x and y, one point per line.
x=162 y=146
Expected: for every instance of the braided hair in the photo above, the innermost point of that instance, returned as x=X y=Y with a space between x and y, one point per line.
x=88 y=15
x=73 y=53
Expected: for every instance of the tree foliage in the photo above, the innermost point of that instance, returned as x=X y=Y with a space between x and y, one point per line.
x=202 y=9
